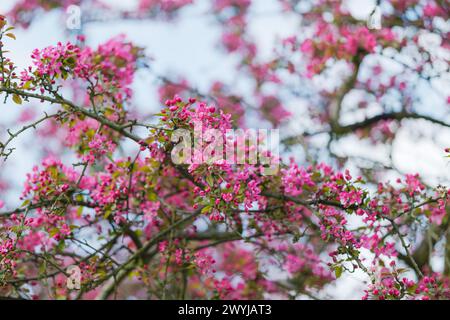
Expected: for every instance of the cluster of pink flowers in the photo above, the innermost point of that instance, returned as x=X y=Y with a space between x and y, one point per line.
x=273 y=110
x=228 y=103
x=115 y=69
x=295 y=179
x=336 y=41
x=413 y=184
x=237 y=260
x=202 y=113
x=333 y=227
x=110 y=68
x=6 y=246
x=53 y=180
x=392 y=287
x=53 y=60
x=204 y=263
x=79 y=130
x=164 y=5
x=7 y=258
x=233 y=37
x=439 y=212
x=98 y=147
x=23 y=10
x=168 y=90
x=301 y=259
x=379 y=247
x=343 y=43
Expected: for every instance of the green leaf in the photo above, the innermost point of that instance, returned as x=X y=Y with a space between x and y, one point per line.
x=206 y=209
x=17 y=99
x=27 y=85
x=402 y=270
x=152 y=196
x=11 y=35
x=25 y=203
x=338 y=271
x=79 y=211
x=210 y=181
x=66 y=107
x=107 y=214
x=53 y=232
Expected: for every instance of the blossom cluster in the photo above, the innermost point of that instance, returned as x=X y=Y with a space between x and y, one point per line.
x=108 y=70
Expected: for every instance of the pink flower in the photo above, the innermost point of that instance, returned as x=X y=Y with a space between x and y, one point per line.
x=295 y=178
x=307 y=46
x=227 y=197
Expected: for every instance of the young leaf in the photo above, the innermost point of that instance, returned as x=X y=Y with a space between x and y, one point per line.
x=17 y=99
x=338 y=272
x=11 y=35
x=210 y=181
x=206 y=209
